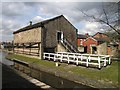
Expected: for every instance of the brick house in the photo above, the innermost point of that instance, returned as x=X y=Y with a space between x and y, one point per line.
x=91 y=44
x=80 y=40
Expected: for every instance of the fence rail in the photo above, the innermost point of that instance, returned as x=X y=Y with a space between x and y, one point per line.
x=79 y=59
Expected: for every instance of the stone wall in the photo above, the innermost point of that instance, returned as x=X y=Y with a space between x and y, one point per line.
x=60 y=48
x=102 y=49
x=32 y=35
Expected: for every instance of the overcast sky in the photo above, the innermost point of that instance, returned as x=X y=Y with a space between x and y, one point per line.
x=17 y=15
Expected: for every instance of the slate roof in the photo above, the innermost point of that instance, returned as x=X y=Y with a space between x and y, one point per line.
x=81 y=36
x=39 y=24
x=100 y=39
x=99 y=33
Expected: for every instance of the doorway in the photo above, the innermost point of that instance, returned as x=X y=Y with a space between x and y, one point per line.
x=94 y=50
x=60 y=36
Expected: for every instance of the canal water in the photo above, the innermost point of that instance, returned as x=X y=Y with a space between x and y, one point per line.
x=4 y=60
x=50 y=79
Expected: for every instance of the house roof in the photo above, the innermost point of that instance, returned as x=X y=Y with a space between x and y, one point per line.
x=99 y=33
x=81 y=36
x=39 y=24
x=100 y=39
x=97 y=39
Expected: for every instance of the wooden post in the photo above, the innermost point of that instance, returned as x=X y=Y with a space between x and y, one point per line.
x=68 y=59
x=13 y=47
x=109 y=62
x=99 y=62
x=49 y=56
x=77 y=60
x=23 y=48
x=81 y=57
x=105 y=61
x=43 y=55
x=40 y=47
x=89 y=58
x=54 y=57
x=17 y=48
x=30 y=49
x=87 y=62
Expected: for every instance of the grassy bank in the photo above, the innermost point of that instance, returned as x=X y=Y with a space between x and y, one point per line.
x=106 y=74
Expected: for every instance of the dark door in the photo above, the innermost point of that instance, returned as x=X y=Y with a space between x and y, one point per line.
x=94 y=49
x=85 y=49
x=59 y=36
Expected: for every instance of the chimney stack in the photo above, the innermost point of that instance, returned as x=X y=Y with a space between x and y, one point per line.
x=30 y=23
x=87 y=34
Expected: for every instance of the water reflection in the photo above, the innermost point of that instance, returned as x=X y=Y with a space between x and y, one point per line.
x=3 y=59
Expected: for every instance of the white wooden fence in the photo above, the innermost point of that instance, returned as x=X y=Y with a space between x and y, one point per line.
x=85 y=59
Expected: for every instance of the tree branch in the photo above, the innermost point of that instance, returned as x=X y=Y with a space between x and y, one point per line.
x=105 y=13
x=100 y=20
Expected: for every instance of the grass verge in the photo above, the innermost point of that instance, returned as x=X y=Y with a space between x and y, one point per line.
x=107 y=74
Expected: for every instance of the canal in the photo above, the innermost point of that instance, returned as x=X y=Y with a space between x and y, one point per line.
x=11 y=79
x=4 y=60
x=50 y=79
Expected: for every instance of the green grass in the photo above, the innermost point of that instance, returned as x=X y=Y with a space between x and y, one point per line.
x=109 y=73
x=31 y=60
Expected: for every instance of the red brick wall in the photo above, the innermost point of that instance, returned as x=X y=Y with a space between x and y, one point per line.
x=108 y=50
x=79 y=41
x=89 y=42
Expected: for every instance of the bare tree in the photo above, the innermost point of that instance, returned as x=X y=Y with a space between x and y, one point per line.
x=109 y=16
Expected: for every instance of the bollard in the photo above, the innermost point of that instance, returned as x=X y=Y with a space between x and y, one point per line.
x=56 y=64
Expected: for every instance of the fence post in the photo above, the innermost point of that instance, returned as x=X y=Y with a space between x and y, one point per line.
x=109 y=62
x=89 y=58
x=77 y=60
x=54 y=57
x=99 y=62
x=68 y=57
x=105 y=62
x=49 y=56
x=61 y=57
x=43 y=55
x=81 y=57
x=74 y=56
x=87 y=62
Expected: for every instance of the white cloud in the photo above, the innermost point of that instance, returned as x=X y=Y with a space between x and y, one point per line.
x=60 y=0
x=14 y=9
x=91 y=28
x=17 y=15
x=37 y=19
x=91 y=25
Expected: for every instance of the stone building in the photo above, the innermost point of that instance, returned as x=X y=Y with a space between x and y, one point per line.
x=53 y=35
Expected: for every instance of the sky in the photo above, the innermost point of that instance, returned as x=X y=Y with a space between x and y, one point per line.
x=15 y=15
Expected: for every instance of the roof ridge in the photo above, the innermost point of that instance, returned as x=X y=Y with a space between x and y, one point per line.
x=37 y=24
